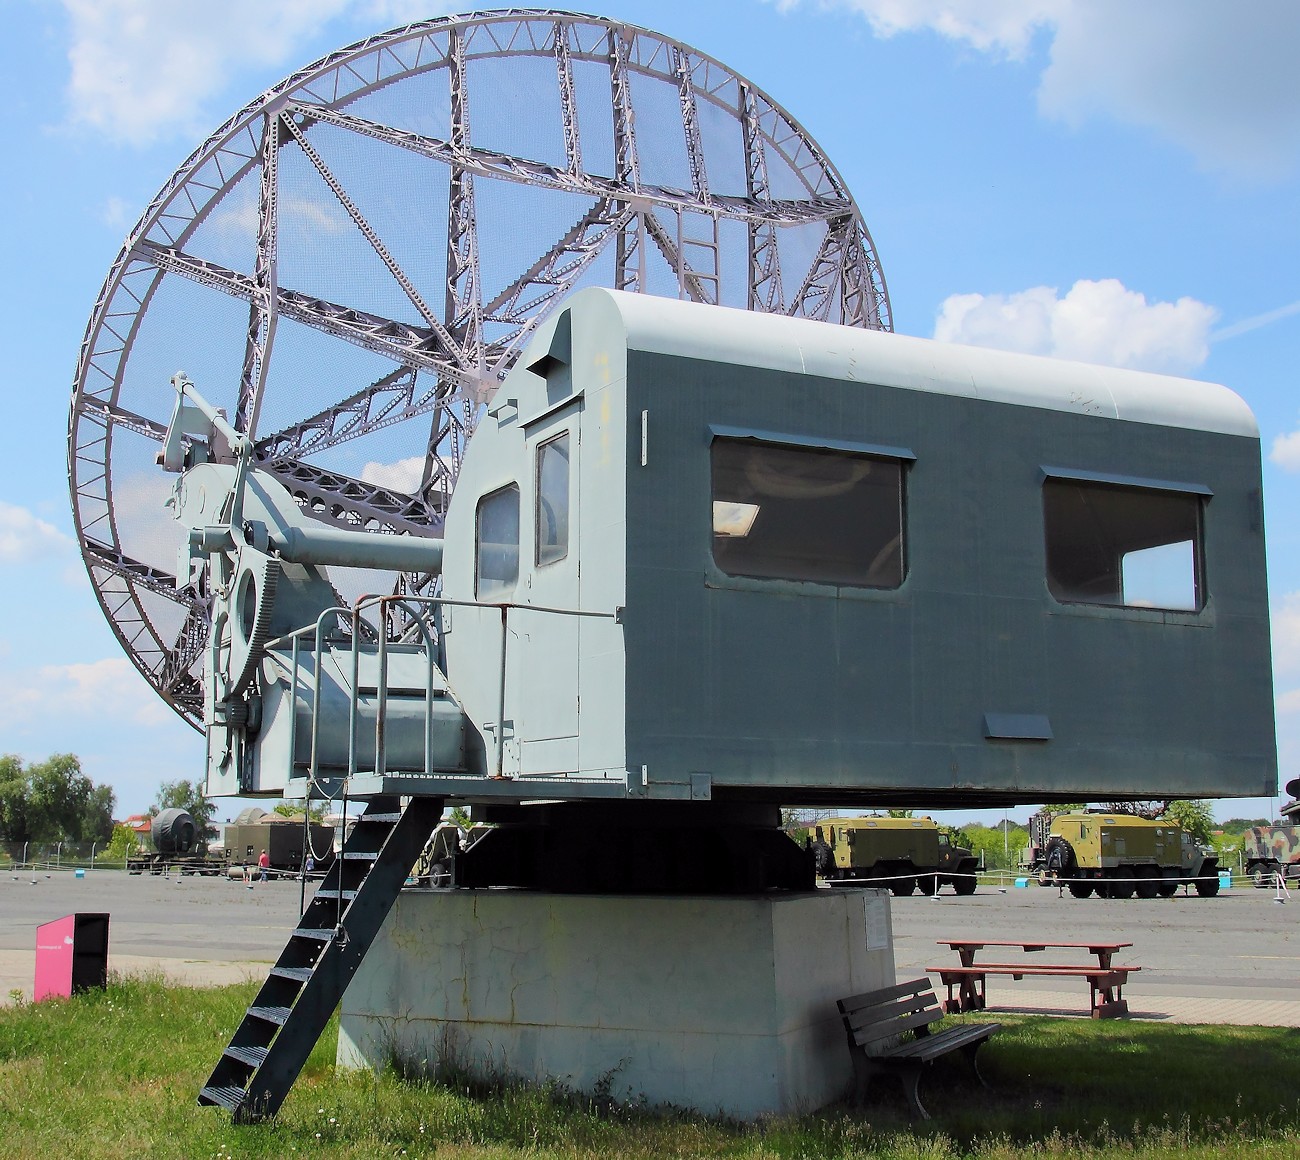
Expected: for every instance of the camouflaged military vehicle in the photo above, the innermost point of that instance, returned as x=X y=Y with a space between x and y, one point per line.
x=1119 y=855
x=907 y=854
x=1268 y=850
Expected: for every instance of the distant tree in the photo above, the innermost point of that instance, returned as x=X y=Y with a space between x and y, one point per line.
x=1193 y=817
x=998 y=852
x=1239 y=826
x=187 y=796
x=14 y=826
x=801 y=817
x=53 y=801
x=293 y=808
x=1151 y=810
x=123 y=844
x=902 y=813
x=460 y=816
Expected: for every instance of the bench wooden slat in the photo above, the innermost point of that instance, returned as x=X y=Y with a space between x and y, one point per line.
x=876 y=998
x=875 y=1012
x=1055 y=968
x=895 y=1025
x=932 y=1046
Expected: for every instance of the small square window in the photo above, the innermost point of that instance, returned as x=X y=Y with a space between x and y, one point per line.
x=807 y=513
x=552 y=523
x=496 y=544
x=1127 y=546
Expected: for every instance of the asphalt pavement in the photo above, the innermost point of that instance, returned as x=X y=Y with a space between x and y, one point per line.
x=1234 y=958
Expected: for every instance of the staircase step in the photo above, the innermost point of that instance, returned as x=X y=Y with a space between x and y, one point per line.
x=222 y=1097
x=252 y=1056
x=378 y=881
x=276 y=1015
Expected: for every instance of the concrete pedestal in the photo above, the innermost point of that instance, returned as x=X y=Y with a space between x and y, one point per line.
x=719 y=1004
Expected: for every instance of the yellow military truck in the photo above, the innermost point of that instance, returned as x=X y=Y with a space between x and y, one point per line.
x=1119 y=855
x=905 y=853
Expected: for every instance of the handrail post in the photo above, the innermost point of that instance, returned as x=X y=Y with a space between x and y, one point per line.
x=381 y=693
x=501 y=699
x=352 y=695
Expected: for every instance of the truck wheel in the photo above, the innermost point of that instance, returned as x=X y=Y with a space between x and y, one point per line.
x=1207 y=887
x=1167 y=887
x=1261 y=873
x=1058 y=857
x=903 y=886
x=1081 y=889
x=929 y=884
x=439 y=874
x=1149 y=881
x=964 y=883
x=823 y=859
x=1123 y=889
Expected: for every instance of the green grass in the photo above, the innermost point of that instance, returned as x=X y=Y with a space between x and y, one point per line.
x=114 y=1074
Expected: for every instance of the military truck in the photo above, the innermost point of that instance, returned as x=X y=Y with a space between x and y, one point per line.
x=1119 y=855
x=1270 y=850
x=255 y=830
x=907 y=853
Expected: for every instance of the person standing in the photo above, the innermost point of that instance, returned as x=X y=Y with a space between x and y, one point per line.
x=263 y=863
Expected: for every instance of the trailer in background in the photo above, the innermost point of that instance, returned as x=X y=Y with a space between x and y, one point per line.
x=286 y=841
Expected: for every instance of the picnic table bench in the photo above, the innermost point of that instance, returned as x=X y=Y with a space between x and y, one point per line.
x=889 y=1032
x=1105 y=980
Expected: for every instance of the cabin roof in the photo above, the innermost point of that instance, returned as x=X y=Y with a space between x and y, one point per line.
x=802 y=346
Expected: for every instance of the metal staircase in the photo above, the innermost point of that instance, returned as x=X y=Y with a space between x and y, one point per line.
x=278 y=1032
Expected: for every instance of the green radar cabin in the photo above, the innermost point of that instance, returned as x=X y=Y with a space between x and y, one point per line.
x=769 y=560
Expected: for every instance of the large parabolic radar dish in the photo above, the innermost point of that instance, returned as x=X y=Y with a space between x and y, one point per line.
x=351 y=264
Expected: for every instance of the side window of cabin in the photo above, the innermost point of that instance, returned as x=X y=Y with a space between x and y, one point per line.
x=807 y=513
x=1131 y=547
x=496 y=543
x=552 y=516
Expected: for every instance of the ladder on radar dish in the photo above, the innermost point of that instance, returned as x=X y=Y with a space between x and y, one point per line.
x=277 y=1034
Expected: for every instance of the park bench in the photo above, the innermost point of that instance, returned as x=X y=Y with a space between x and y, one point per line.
x=889 y=1031
x=966 y=983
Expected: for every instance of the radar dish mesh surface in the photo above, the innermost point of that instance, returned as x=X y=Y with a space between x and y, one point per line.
x=351 y=264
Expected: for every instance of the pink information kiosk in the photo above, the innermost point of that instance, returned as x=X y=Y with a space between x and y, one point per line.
x=71 y=956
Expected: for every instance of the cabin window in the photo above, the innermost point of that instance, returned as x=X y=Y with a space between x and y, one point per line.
x=807 y=513
x=553 y=500
x=1127 y=546
x=496 y=543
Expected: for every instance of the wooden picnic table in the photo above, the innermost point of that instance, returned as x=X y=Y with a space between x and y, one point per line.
x=966 y=948
x=1105 y=980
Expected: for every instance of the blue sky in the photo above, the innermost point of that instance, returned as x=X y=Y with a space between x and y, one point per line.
x=1088 y=178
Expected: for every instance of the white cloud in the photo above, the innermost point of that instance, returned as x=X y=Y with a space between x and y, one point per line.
x=25 y=538
x=1286 y=451
x=1255 y=322
x=1097 y=322
x=403 y=476
x=1285 y=622
x=1287 y=704
x=141 y=69
x=109 y=690
x=1003 y=26
x=1217 y=79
